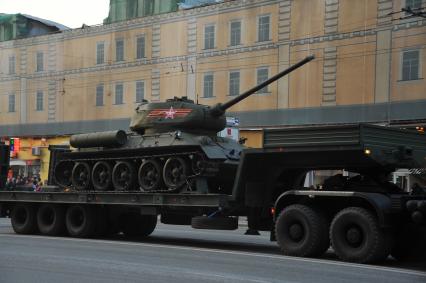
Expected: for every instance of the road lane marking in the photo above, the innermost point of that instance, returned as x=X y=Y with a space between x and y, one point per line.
x=281 y=257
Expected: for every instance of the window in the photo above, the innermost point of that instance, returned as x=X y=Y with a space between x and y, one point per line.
x=413 y=4
x=410 y=65
x=100 y=53
x=208 y=85
x=39 y=100
x=119 y=50
x=234 y=83
x=39 y=63
x=235 y=33
x=209 y=36
x=263 y=28
x=140 y=47
x=140 y=91
x=11 y=103
x=262 y=75
x=12 y=62
x=100 y=95
x=119 y=94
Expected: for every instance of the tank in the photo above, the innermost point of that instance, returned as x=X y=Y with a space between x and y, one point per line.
x=172 y=146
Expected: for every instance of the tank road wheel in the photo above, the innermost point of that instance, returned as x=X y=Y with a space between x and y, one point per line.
x=101 y=176
x=51 y=219
x=302 y=231
x=356 y=236
x=23 y=218
x=175 y=172
x=63 y=172
x=81 y=176
x=123 y=176
x=150 y=175
x=197 y=163
x=80 y=220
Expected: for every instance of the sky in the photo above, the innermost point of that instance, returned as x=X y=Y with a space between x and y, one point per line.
x=70 y=13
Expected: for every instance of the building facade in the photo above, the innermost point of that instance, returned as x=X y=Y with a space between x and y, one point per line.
x=370 y=66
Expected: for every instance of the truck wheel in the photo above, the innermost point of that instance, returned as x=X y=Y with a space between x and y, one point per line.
x=410 y=243
x=302 y=231
x=214 y=223
x=51 y=219
x=23 y=218
x=135 y=225
x=356 y=236
x=80 y=220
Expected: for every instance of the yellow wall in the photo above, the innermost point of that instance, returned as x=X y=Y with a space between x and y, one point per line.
x=75 y=73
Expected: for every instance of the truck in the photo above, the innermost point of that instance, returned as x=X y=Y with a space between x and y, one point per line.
x=357 y=210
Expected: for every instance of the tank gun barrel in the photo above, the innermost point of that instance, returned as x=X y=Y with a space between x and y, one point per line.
x=220 y=108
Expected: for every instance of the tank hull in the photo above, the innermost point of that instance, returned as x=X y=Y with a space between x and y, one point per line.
x=166 y=162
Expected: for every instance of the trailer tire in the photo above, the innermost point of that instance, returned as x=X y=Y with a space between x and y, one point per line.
x=356 y=236
x=214 y=223
x=135 y=225
x=302 y=231
x=51 y=219
x=81 y=220
x=410 y=243
x=23 y=219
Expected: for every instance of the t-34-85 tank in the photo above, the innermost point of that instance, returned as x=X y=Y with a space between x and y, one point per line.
x=173 y=146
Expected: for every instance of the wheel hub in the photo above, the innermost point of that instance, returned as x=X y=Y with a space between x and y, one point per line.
x=354 y=236
x=296 y=232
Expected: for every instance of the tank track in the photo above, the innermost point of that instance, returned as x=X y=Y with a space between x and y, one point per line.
x=65 y=175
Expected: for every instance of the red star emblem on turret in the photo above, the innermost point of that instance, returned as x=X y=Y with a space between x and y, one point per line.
x=170 y=114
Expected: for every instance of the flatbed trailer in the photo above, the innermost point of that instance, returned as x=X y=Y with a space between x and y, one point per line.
x=363 y=216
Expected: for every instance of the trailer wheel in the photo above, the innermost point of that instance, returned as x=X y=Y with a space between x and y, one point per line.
x=214 y=223
x=135 y=225
x=81 y=220
x=51 y=219
x=302 y=231
x=410 y=244
x=23 y=218
x=356 y=236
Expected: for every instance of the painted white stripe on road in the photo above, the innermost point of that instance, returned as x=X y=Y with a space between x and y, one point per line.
x=309 y=260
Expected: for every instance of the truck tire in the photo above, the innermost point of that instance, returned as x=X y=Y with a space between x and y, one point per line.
x=302 y=231
x=214 y=223
x=51 y=219
x=81 y=221
x=23 y=218
x=356 y=236
x=136 y=225
x=410 y=243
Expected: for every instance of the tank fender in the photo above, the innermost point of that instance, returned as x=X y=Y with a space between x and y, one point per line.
x=381 y=203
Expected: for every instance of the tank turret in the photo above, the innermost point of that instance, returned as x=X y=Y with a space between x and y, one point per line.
x=183 y=114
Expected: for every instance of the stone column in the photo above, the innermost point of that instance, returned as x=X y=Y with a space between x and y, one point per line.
x=192 y=59
x=329 y=76
x=52 y=85
x=23 y=93
x=284 y=25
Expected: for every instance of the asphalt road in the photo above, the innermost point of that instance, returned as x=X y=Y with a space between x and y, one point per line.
x=178 y=254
